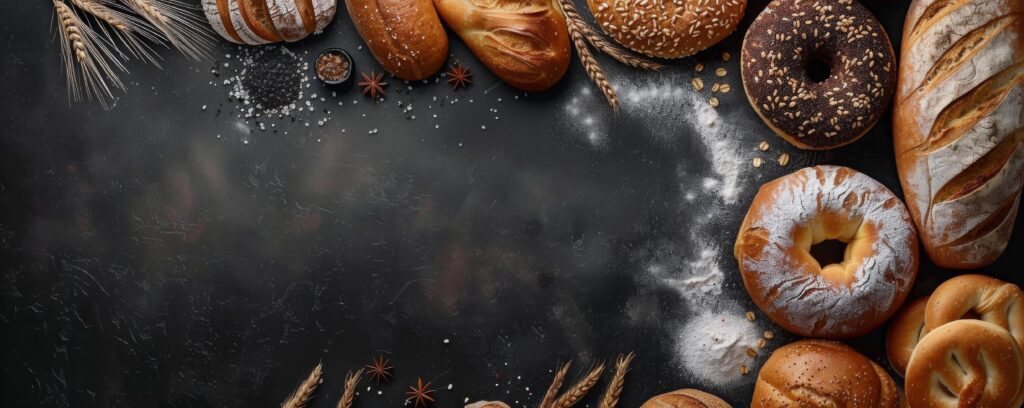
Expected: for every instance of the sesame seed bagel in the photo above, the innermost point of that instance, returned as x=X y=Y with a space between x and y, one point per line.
x=820 y=73
x=667 y=28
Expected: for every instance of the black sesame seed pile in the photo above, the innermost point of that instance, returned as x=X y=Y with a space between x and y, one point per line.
x=842 y=107
x=274 y=80
x=667 y=28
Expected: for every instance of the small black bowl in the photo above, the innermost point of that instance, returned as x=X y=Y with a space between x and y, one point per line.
x=343 y=82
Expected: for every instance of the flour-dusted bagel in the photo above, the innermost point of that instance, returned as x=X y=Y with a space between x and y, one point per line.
x=685 y=398
x=791 y=37
x=814 y=204
x=980 y=297
x=957 y=126
x=965 y=363
x=905 y=330
x=823 y=374
x=667 y=28
x=256 y=22
x=405 y=36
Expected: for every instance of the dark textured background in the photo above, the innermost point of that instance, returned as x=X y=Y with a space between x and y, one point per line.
x=153 y=258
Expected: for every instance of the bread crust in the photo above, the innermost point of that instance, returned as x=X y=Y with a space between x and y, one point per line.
x=823 y=373
x=981 y=297
x=958 y=126
x=287 y=19
x=523 y=42
x=665 y=28
x=405 y=36
x=241 y=27
x=811 y=205
x=217 y=13
x=905 y=330
x=685 y=398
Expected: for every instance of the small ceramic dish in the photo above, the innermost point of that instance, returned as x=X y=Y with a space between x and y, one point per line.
x=334 y=66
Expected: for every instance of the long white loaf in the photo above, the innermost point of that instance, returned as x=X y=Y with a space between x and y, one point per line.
x=959 y=125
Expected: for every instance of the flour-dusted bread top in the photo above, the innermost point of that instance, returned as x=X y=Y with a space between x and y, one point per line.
x=238 y=22
x=324 y=11
x=287 y=19
x=220 y=21
x=958 y=122
x=256 y=22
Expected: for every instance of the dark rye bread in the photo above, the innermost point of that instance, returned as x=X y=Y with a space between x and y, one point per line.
x=787 y=37
x=958 y=126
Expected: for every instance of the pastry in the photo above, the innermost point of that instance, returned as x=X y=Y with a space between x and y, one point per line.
x=965 y=363
x=405 y=36
x=685 y=398
x=820 y=73
x=667 y=29
x=905 y=330
x=850 y=298
x=958 y=126
x=823 y=373
x=256 y=22
x=524 y=42
x=979 y=297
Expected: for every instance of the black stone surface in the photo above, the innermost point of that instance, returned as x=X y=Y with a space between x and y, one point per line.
x=160 y=254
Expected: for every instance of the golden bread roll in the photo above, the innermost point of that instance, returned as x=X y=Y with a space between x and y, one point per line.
x=905 y=330
x=488 y=404
x=667 y=29
x=523 y=42
x=983 y=298
x=823 y=373
x=965 y=364
x=791 y=214
x=958 y=126
x=405 y=36
x=685 y=398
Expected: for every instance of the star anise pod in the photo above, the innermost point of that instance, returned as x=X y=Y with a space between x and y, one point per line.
x=380 y=370
x=459 y=76
x=373 y=84
x=420 y=393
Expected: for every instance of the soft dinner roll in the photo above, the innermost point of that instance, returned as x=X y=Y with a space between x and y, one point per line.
x=667 y=28
x=823 y=373
x=811 y=205
x=965 y=364
x=905 y=330
x=980 y=297
x=685 y=398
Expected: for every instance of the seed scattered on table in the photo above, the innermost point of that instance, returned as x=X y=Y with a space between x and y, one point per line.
x=699 y=67
x=721 y=72
x=761 y=343
x=726 y=56
x=784 y=159
x=725 y=88
x=715 y=87
x=757 y=163
x=698 y=84
x=713 y=102
x=769 y=335
x=744 y=370
x=763 y=146
x=751 y=352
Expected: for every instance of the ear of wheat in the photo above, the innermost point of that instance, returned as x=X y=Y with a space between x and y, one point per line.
x=178 y=23
x=556 y=384
x=129 y=30
x=580 y=389
x=349 y=394
x=301 y=396
x=594 y=70
x=572 y=17
x=614 y=391
x=89 y=63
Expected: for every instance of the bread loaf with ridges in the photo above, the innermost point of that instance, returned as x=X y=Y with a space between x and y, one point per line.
x=523 y=42
x=324 y=11
x=405 y=36
x=217 y=13
x=959 y=125
x=287 y=19
x=238 y=22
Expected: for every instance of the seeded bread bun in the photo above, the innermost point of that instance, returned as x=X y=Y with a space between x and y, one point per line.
x=667 y=28
x=686 y=398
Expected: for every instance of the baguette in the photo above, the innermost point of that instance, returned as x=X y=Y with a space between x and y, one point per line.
x=524 y=42
x=958 y=126
x=405 y=36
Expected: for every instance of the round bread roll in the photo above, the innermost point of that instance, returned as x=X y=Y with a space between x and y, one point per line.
x=823 y=373
x=965 y=363
x=487 y=404
x=981 y=297
x=905 y=330
x=667 y=28
x=820 y=73
x=791 y=214
x=685 y=398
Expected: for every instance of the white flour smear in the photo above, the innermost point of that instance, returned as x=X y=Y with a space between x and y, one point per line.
x=713 y=346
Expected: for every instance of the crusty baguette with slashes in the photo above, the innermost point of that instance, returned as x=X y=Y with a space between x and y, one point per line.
x=958 y=125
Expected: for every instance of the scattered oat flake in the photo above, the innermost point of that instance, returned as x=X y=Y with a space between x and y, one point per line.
x=721 y=72
x=726 y=56
x=699 y=67
x=751 y=316
x=725 y=88
x=713 y=102
x=763 y=146
x=761 y=343
x=757 y=162
x=715 y=87
x=698 y=84
x=744 y=370
x=784 y=159
x=769 y=335
x=751 y=352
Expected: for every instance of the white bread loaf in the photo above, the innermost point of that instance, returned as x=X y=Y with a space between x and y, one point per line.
x=959 y=125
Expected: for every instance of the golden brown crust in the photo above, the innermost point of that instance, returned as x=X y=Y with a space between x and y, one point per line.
x=905 y=330
x=258 y=19
x=685 y=398
x=823 y=373
x=958 y=126
x=667 y=29
x=523 y=42
x=405 y=36
x=965 y=364
x=308 y=14
x=984 y=298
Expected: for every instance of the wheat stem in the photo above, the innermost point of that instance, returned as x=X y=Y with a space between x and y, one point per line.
x=556 y=384
x=573 y=17
x=301 y=396
x=177 y=23
x=580 y=389
x=614 y=391
x=88 y=62
x=349 y=394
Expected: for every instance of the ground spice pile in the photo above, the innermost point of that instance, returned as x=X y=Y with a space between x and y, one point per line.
x=332 y=67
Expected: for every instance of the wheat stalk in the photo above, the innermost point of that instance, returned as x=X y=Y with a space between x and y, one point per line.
x=89 y=63
x=128 y=29
x=614 y=391
x=556 y=384
x=573 y=17
x=590 y=64
x=177 y=23
x=580 y=389
x=349 y=394
x=300 y=397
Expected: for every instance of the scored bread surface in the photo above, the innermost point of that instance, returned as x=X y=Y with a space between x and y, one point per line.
x=324 y=11
x=243 y=30
x=287 y=19
x=220 y=20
